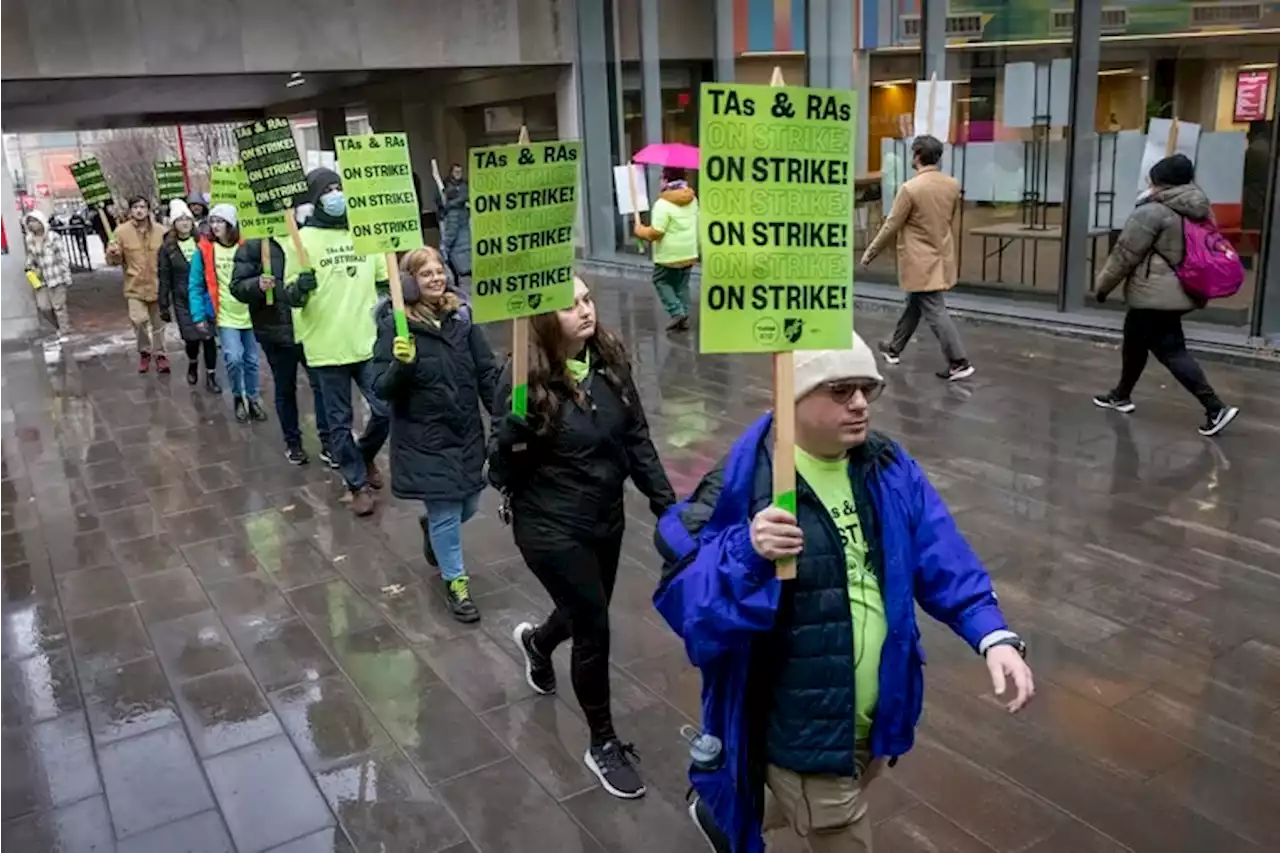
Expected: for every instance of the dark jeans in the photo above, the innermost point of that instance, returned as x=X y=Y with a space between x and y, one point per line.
x=353 y=456
x=284 y=360
x=933 y=307
x=579 y=577
x=210 y=347
x=1160 y=333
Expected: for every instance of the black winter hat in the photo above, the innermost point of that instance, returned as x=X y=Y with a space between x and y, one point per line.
x=319 y=180
x=1173 y=171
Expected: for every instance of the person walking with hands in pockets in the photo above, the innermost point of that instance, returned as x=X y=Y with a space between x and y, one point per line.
x=815 y=683
x=434 y=383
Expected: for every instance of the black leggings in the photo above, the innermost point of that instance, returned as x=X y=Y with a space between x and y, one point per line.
x=1160 y=333
x=210 y=352
x=579 y=577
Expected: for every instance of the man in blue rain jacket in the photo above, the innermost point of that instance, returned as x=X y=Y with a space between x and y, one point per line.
x=814 y=684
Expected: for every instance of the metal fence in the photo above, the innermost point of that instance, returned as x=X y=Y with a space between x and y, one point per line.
x=75 y=241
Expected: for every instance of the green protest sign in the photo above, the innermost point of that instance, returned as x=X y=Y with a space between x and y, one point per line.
x=776 y=189
x=228 y=184
x=271 y=162
x=382 y=205
x=524 y=199
x=171 y=182
x=91 y=181
x=224 y=183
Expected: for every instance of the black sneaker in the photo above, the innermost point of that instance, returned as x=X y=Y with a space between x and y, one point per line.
x=256 y=412
x=614 y=766
x=1111 y=400
x=1217 y=422
x=700 y=814
x=428 y=552
x=327 y=458
x=959 y=370
x=193 y=372
x=297 y=456
x=890 y=357
x=242 y=410
x=538 y=670
x=458 y=593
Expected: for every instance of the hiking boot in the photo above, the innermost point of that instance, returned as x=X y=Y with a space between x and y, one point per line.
x=162 y=364
x=256 y=412
x=890 y=357
x=211 y=382
x=193 y=372
x=372 y=475
x=428 y=551
x=1217 y=421
x=700 y=814
x=297 y=456
x=958 y=370
x=362 y=502
x=1112 y=400
x=144 y=362
x=327 y=458
x=242 y=410
x=458 y=595
x=614 y=765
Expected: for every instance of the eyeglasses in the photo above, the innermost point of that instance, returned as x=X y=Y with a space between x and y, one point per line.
x=842 y=390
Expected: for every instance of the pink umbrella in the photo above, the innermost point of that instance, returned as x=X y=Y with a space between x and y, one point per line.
x=675 y=154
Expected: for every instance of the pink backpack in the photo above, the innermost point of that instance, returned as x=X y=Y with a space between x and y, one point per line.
x=1210 y=267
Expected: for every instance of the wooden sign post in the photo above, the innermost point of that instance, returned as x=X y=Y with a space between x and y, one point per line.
x=1171 y=144
x=520 y=343
x=784 y=424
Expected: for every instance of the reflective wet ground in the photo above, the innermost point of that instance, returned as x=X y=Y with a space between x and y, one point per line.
x=204 y=651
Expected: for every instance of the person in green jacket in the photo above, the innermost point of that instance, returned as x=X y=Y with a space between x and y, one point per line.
x=335 y=297
x=673 y=231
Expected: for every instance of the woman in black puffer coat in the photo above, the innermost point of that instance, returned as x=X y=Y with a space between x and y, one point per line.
x=172 y=267
x=435 y=383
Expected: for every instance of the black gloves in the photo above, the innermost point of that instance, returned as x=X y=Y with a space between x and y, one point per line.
x=1101 y=296
x=306 y=282
x=514 y=433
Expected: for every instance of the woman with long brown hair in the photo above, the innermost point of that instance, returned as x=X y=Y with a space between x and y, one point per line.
x=563 y=469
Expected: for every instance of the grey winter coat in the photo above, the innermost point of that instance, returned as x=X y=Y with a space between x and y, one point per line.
x=455 y=226
x=1150 y=248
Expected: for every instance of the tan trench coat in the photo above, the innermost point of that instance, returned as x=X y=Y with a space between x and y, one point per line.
x=921 y=221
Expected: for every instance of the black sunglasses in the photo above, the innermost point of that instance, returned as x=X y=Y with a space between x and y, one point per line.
x=842 y=390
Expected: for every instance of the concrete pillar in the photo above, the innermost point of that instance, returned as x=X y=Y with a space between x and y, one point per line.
x=1081 y=140
x=651 y=84
x=594 y=80
x=817 y=46
x=386 y=116
x=861 y=62
x=20 y=322
x=569 y=126
x=1266 y=304
x=933 y=39
x=724 y=41
x=331 y=122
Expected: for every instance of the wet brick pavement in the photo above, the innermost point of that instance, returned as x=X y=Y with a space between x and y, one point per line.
x=204 y=651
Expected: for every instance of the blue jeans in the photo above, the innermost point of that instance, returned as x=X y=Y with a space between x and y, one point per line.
x=353 y=456
x=284 y=360
x=444 y=524
x=240 y=355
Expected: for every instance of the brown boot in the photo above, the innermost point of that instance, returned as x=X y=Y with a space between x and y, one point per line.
x=362 y=502
x=372 y=475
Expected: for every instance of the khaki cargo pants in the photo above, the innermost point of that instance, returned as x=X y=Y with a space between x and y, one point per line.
x=829 y=812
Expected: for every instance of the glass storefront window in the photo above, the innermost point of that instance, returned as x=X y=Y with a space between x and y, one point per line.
x=1222 y=91
x=887 y=137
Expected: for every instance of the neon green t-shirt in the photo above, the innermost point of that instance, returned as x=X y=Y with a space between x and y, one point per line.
x=679 y=226
x=232 y=313
x=337 y=322
x=188 y=248
x=829 y=479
